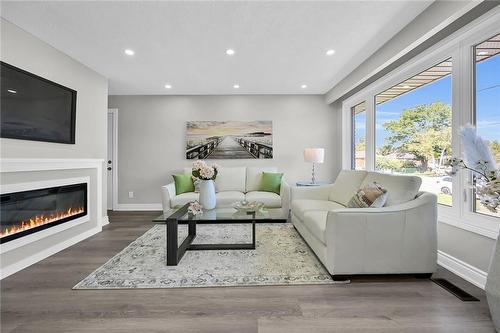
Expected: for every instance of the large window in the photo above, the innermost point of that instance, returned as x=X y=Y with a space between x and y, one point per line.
x=414 y=115
x=358 y=114
x=413 y=129
x=487 y=99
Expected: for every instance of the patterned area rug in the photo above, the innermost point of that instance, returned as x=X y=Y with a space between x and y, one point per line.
x=281 y=258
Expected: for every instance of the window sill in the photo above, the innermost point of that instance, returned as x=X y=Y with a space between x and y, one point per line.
x=481 y=225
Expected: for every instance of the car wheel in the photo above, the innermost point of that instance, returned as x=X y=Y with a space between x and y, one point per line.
x=445 y=190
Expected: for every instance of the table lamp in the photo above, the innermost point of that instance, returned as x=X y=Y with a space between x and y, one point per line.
x=314 y=155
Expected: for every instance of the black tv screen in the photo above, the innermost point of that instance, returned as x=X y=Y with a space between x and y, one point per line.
x=34 y=108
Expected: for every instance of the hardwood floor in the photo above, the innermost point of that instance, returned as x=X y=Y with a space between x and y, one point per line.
x=40 y=299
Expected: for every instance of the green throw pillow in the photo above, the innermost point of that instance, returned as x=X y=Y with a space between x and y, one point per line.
x=270 y=182
x=183 y=183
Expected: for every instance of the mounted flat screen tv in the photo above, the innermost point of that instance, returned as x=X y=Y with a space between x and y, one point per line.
x=34 y=108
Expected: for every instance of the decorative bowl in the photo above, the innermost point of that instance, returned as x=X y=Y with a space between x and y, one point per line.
x=245 y=206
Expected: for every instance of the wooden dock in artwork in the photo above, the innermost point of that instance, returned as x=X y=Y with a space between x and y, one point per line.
x=229 y=147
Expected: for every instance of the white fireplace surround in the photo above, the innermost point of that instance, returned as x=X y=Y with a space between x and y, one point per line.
x=28 y=186
x=12 y=165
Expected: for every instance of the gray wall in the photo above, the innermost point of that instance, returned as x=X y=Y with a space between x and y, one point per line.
x=472 y=248
x=152 y=129
x=27 y=52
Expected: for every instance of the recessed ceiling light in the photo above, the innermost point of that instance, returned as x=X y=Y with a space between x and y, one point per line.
x=229 y=51
x=168 y=86
x=330 y=52
x=304 y=86
x=236 y=86
x=129 y=52
x=12 y=91
x=481 y=53
x=406 y=86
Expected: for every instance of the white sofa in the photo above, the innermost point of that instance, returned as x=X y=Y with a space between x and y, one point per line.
x=399 y=238
x=233 y=184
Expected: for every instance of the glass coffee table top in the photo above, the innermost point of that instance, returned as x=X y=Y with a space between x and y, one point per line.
x=224 y=214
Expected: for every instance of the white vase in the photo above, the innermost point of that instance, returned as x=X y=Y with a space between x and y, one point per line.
x=207 y=194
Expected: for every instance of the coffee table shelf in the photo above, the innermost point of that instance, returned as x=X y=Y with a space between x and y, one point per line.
x=173 y=218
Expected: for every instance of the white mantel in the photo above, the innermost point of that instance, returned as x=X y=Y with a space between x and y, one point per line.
x=47 y=248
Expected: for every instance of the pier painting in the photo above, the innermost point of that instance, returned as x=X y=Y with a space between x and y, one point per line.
x=229 y=139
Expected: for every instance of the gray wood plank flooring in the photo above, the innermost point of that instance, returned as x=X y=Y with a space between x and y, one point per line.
x=40 y=299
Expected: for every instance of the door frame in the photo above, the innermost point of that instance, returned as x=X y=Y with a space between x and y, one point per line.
x=114 y=165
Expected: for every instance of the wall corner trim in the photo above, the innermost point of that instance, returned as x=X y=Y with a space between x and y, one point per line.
x=467 y=272
x=105 y=220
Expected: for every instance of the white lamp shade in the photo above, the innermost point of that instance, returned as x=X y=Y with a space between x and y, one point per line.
x=314 y=155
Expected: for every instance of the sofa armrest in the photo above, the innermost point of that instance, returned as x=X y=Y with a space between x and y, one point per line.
x=167 y=193
x=399 y=238
x=285 y=197
x=310 y=192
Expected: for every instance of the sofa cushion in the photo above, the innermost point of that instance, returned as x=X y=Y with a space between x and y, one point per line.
x=183 y=183
x=315 y=222
x=271 y=182
x=230 y=179
x=254 y=176
x=184 y=198
x=301 y=206
x=346 y=185
x=228 y=198
x=400 y=188
x=270 y=200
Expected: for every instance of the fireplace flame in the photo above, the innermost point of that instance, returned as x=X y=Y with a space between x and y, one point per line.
x=39 y=220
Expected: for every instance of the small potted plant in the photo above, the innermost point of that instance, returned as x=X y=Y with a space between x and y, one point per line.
x=205 y=176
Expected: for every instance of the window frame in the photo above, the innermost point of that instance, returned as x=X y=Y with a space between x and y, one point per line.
x=460 y=48
x=353 y=130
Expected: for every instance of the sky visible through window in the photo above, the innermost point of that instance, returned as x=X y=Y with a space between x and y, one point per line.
x=488 y=102
x=488 y=98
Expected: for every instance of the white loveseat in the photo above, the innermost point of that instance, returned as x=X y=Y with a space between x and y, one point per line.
x=233 y=184
x=399 y=238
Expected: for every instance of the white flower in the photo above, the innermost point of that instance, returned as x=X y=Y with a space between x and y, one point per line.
x=198 y=164
x=195 y=208
x=206 y=172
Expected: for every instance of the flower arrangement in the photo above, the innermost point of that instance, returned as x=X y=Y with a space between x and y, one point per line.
x=479 y=160
x=202 y=170
x=195 y=208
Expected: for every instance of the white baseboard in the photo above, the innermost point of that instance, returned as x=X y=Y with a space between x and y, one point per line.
x=105 y=220
x=11 y=269
x=157 y=206
x=467 y=272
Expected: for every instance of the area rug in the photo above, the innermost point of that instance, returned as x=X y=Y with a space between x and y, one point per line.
x=281 y=258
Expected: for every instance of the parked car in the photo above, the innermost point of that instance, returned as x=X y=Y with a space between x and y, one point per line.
x=445 y=184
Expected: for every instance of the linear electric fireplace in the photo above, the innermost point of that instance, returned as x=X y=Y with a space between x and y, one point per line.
x=27 y=212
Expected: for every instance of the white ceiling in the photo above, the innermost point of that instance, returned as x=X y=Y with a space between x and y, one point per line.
x=279 y=45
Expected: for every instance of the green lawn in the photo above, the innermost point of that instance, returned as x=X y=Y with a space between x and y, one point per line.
x=444 y=199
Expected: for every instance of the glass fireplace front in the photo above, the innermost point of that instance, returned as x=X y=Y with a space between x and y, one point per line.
x=27 y=212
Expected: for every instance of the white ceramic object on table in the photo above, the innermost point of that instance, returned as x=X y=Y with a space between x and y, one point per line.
x=207 y=194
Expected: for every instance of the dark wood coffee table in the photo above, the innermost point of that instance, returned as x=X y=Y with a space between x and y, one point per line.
x=173 y=218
